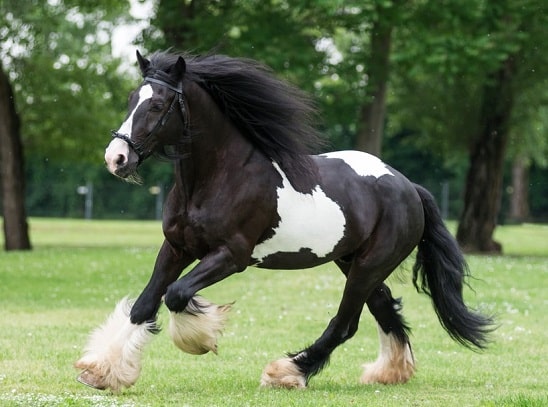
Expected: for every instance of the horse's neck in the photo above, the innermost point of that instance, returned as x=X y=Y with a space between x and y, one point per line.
x=217 y=144
x=218 y=147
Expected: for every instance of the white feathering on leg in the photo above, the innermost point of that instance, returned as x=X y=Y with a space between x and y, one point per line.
x=283 y=373
x=196 y=329
x=395 y=363
x=112 y=356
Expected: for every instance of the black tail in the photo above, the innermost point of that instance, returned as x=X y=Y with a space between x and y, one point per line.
x=440 y=271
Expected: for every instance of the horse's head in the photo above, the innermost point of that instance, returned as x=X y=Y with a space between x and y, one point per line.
x=156 y=118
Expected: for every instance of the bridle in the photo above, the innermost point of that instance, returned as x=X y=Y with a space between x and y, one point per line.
x=183 y=148
x=143 y=149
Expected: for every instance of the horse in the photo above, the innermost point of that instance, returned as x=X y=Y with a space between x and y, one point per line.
x=249 y=191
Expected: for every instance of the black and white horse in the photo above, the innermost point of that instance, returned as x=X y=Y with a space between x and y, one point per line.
x=247 y=192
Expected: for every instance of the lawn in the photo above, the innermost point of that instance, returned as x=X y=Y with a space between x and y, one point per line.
x=52 y=297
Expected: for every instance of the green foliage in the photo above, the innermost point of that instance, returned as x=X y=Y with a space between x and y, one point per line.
x=281 y=34
x=444 y=57
x=69 y=91
x=53 y=297
x=530 y=126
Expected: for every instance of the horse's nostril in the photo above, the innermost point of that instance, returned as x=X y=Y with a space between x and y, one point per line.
x=120 y=160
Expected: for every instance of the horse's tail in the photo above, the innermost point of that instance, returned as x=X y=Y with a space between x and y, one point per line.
x=440 y=271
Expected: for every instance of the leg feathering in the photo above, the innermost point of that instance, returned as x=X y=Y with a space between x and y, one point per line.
x=112 y=356
x=196 y=329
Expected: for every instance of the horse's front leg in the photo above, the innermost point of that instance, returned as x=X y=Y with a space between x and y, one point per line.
x=195 y=324
x=168 y=267
x=112 y=357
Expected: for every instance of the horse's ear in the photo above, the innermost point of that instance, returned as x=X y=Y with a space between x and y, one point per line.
x=143 y=63
x=179 y=68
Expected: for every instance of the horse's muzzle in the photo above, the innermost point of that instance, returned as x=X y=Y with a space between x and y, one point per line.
x=120 y=158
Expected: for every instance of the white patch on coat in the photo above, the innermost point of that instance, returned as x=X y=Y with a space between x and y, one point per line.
x=307 y=221
x=119 y=148
x=145 y=93
x=363 y=164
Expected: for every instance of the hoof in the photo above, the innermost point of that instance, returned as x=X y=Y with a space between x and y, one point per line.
x=283 y=373
x=91 y=380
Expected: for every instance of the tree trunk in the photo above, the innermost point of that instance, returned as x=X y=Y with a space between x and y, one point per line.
x=483 y=189
x=16 y=236
x=519 y=199
x=371 y=126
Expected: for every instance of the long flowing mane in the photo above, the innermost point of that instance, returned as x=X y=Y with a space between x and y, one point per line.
x=276 y=117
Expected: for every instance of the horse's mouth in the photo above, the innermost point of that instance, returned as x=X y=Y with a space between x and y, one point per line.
x=129 y=174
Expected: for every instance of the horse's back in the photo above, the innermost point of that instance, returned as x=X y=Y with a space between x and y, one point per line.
x=366 y=184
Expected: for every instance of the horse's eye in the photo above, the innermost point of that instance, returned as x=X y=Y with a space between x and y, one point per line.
x=156 y=107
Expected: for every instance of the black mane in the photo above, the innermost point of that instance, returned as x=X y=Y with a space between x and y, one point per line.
x=274 y=115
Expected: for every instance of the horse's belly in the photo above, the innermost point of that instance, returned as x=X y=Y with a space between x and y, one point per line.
x=311 y=226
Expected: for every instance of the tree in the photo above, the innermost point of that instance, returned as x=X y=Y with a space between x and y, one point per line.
x=297 y=38
x=369 y=137
x=280 y=34
x=528 y=146
x=16 y=235
x=461 y=70
x=483 y=192
x=518 y=25
x=67 y=82
x=59 y=67
x=519 y=201
x=372 y=113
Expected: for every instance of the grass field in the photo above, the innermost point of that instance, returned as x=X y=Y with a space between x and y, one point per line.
x=52 y=297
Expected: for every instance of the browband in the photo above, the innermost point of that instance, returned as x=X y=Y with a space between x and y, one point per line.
x=178 y=89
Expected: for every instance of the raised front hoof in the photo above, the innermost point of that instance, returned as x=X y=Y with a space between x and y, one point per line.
x=91 y=380
x=283 y=373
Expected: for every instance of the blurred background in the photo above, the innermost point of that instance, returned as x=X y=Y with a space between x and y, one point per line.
x=452 y=93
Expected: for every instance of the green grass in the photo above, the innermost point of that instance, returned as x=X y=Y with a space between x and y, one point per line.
x=52 y=297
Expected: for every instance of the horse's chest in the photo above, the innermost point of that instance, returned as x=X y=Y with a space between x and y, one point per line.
x=310 y=227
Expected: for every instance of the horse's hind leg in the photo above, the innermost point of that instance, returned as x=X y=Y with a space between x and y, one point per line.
x=395 y=363
x=295 y=370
